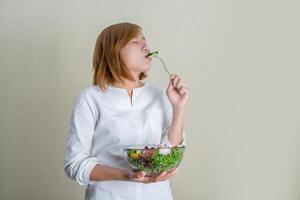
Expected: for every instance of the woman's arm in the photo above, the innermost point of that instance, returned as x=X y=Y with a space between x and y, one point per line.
x=178 y=95
x=78 y=162
x=102 y=173
x=175 y=135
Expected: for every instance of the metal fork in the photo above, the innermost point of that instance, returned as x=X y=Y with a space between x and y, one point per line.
x=154 y=54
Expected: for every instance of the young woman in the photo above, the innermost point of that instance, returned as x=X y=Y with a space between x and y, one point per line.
x=120 y=110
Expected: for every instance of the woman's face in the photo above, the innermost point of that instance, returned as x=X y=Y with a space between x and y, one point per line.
x=134 y=54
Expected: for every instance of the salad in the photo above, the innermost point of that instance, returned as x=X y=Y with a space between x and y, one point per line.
x=154 y=159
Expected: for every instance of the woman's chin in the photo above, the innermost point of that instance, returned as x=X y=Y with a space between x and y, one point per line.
x=145 y=68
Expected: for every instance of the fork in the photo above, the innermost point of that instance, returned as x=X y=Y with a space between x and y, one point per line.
x=154 y=54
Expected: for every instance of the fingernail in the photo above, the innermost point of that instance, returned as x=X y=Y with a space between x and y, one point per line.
x=163 y=173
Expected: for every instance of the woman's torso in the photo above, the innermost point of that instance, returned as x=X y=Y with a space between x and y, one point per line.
x=120 y=123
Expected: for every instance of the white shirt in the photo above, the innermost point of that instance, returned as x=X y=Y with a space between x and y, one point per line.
x=102 y=123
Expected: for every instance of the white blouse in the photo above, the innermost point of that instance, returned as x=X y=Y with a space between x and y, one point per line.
x=102 y=123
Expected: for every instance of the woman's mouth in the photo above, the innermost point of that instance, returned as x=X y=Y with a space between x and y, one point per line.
x=148 y=58
x=150 y=54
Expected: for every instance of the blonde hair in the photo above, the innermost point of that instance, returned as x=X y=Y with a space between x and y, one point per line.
x=108 y=66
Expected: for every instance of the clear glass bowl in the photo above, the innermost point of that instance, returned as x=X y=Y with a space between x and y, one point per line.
x=153 y=159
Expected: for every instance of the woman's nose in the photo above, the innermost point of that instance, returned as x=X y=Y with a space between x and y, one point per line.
x=146 y=48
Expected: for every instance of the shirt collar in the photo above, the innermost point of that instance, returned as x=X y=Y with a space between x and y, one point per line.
x=118 y=89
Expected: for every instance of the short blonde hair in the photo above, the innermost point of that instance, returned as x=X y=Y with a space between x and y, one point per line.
x=108 y=66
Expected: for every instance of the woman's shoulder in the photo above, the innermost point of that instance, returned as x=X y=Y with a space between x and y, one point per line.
x=92 y=90
x=89 y=93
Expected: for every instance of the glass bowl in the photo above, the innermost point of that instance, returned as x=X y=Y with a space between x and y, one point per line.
x=153 y=159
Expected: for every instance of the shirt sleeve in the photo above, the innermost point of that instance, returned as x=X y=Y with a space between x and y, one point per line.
x=167 y=120
x=79 y=164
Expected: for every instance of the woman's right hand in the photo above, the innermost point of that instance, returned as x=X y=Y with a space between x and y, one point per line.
x=142 y=178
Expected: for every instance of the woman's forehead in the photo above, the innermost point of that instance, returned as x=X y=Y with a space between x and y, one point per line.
x=140 y=36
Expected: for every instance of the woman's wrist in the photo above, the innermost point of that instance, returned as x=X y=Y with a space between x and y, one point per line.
x=179 y=110
x=178 y=115
x=125 y=175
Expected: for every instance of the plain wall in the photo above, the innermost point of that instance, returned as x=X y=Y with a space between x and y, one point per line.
x=240 y=59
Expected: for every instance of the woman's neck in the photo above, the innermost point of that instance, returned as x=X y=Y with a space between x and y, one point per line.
x=128 y=84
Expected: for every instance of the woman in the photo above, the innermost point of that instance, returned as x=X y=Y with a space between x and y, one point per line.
x=120 y=110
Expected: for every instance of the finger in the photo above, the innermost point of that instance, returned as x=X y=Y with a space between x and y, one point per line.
x=186 y=91
x=172 y=76
x=181 y=90
x=140 y=175
x=161 y=176
x=151 y=179
x=171 y=173
x=166 y=175
x=174 y=171
x=175 y=80
x=179 y=83
x=170 y=86
x=147 y=180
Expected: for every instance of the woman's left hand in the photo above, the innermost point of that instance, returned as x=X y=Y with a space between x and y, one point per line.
x=178 y=93
x=141 y=176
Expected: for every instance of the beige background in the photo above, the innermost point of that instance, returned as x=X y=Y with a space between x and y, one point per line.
x=240 y=59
